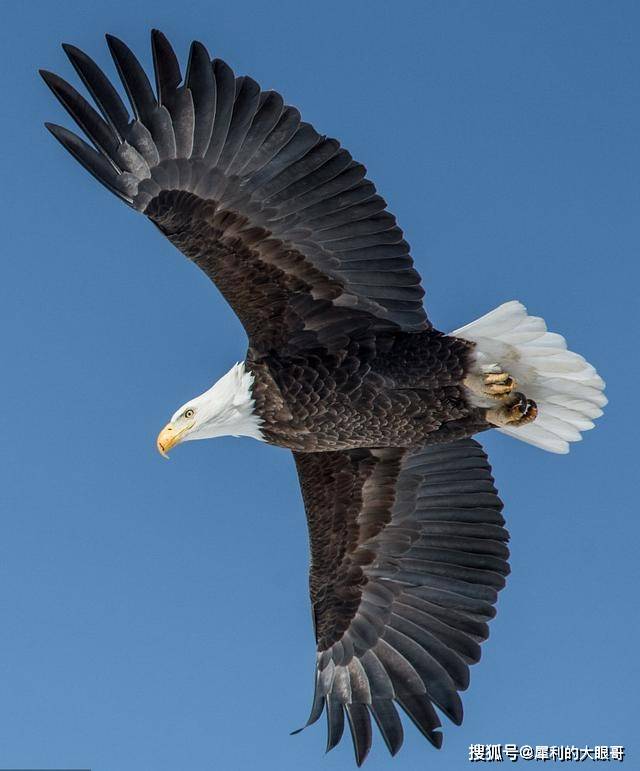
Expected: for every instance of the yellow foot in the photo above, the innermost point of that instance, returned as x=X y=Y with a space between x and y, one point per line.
x=492 y=385
x=517 y=412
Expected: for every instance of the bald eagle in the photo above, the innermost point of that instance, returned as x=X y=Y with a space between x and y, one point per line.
x=343 y=368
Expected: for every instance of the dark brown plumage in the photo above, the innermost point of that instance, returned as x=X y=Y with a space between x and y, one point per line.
x=407 y=540
x=408 y=552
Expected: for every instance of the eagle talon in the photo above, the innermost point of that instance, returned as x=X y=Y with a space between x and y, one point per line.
x=496 y=377
x=499 y=385
x=492 y=385
x=518 y=412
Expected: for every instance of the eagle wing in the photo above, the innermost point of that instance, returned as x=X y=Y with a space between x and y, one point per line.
x=281 y=218
x=408 y=553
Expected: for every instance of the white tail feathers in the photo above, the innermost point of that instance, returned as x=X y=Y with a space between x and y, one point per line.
x=566 y=388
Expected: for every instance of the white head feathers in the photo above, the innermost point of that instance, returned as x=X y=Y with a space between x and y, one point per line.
x=226 y=409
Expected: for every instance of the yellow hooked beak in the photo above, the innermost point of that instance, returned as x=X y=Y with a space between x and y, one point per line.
x=170 y=436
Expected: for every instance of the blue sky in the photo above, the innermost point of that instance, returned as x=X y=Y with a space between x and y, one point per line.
x=154 y=614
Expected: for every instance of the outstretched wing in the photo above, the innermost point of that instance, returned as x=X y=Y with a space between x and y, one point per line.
x=408 y=553
x=280 y=217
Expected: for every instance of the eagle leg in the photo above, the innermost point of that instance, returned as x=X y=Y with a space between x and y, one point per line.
x=517 y=412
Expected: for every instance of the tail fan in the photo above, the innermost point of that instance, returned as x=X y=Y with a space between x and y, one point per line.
x=566 y=388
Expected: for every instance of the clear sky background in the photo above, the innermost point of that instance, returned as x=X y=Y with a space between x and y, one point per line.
x=154 y=614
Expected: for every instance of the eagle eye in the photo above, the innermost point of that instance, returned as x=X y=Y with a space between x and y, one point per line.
x=189 y=413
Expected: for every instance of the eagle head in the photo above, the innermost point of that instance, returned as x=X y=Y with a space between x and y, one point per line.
x=226 y=409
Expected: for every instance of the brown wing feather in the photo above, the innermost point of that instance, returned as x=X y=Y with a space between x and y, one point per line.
x=275 y=213
x=408 y=552
x=348 y=498
x=283 y=301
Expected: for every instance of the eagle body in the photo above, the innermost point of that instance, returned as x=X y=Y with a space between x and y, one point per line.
x=315 y=401
x=407 y=539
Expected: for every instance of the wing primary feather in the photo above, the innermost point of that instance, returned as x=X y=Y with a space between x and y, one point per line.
x=177 y=100
x=423 y=716
x=360 y=727
x=140 y=137
x=101 y=89
x=161 y=127
x=225 y=96
x=244 y=108
x=202 y=84
x=388 y=722
x=437 y=681
x=380 y=685
x=95 y=163
x=134 y=79
x=183 y=119
x=454 y=665
x=316 y=707
x=95 y=127
x=335 y=722
x=166 y=69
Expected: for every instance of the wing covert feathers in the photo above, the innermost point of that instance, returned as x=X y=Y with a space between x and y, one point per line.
x=222 y=139
x=408 y=553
